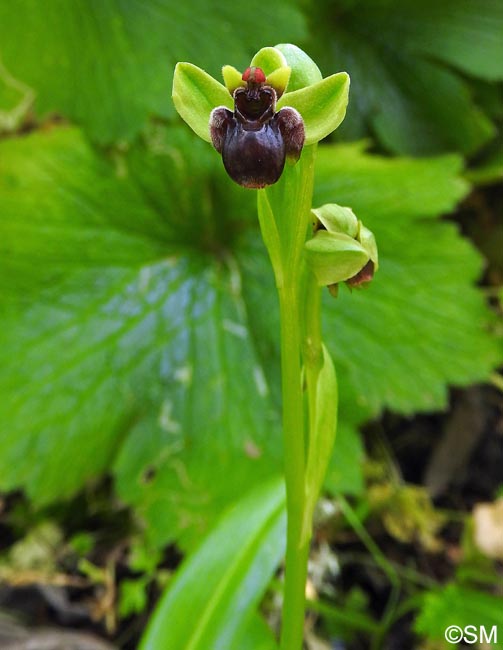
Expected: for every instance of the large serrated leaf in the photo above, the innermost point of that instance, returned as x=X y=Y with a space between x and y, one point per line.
x=402 y=58
x=109 y=65
x=139 y=319
x=212 y=600
x=424 y=289
x=116 y=350
x=460 y=606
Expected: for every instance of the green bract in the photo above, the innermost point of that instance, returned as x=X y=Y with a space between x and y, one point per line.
x=321 y=102
x=323 y=435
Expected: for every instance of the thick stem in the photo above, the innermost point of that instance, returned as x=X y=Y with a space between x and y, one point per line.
x=294 y=445
x=284 y=214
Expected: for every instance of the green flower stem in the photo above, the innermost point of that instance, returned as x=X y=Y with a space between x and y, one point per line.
x=284 y=216
x=284 y=210
x=294 y=453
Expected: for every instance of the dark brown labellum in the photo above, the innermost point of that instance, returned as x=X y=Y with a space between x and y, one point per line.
x=363 y=276
x=254 y=140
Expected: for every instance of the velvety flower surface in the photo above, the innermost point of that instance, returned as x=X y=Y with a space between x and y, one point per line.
x=263 y=117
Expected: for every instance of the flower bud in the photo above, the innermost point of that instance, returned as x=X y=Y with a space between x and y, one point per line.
x=342 y=248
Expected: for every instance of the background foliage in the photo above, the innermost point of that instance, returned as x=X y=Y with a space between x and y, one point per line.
x=139 y=334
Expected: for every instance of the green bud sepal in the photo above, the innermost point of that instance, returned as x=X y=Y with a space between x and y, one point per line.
x=341 y=248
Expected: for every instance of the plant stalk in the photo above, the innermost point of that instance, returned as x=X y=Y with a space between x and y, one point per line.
x=297 y=553
x=284 y=214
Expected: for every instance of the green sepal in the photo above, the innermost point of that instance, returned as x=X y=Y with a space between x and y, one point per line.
x=322 y=105
x=337 y=219
x=305 y=72
x=368 y=241
x=334 y=257
x=322 y=436
x=195 y=95
x=269 y=59
x=232 y=78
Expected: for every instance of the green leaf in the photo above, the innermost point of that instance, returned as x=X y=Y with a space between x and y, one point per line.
x=109 y=65
x=139 y=319
x=400 y=56
x=15 y=100
x=321 y=440
x=133 y=597
x=195 y=95
x=322 y=105
x=57 y=199
x=457 y=605
x=345 y=469
x=424 y=291
x=445 y=29
x=256 y=636
x=489 y=169
x=237 y=560
x=113 y=349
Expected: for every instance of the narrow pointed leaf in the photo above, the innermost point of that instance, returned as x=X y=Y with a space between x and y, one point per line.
x=108 y=65
x=221 y=584
x=195 y=95
x=256 y=635
x=322 y=105
x=322 y=435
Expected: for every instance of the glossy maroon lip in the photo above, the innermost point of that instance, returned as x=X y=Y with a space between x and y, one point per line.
x=254 y=139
